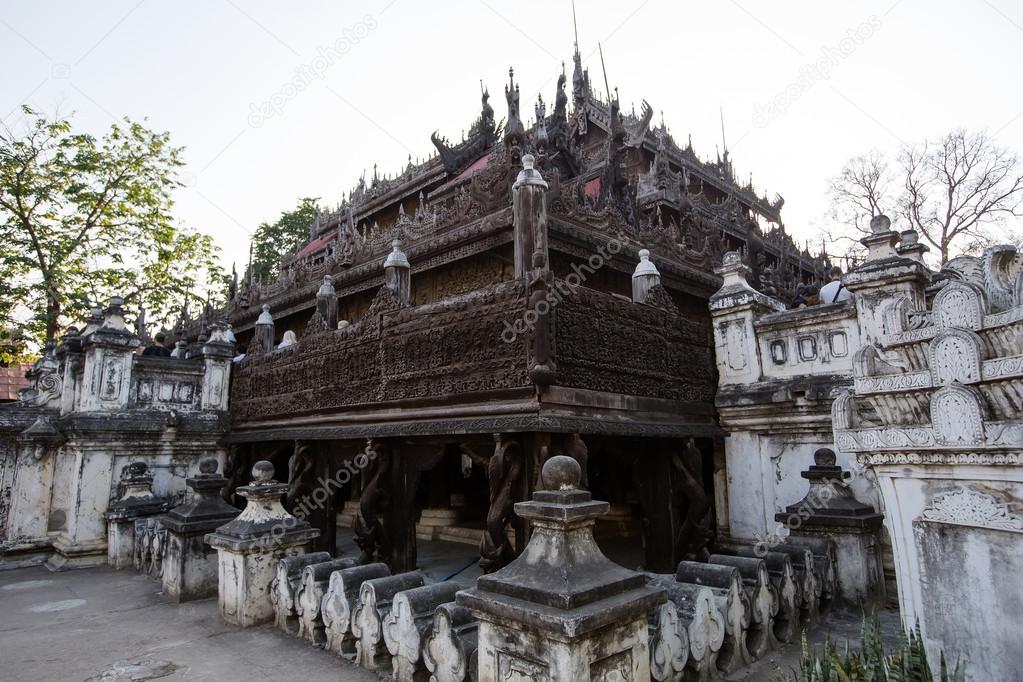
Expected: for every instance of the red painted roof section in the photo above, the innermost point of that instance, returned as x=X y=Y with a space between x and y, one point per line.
x=478 y=164
x=592 y=188
x=12 y=379
x=322 y=240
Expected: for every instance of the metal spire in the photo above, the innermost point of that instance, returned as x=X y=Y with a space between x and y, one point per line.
x=575 y=27
x=724 y=145
x=607 y=88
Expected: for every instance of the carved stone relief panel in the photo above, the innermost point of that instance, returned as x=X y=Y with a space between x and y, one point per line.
x=957 y=416
x=971 y=507
x=959 y=305
x=955 y=355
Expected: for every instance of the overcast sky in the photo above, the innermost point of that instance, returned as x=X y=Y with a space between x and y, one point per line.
x=274 y=101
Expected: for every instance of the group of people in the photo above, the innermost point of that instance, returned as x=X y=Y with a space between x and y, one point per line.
x=832 y=292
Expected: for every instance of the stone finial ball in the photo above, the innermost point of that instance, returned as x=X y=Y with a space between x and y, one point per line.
x=880 y=223
x=561 y=472
x=263 y=471
x=824 y=457
x=208 y=466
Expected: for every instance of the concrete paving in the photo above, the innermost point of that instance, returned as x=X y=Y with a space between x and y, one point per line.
x=102 y=625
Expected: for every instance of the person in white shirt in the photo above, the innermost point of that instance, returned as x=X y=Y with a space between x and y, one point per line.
x=289 y=340
x=834 y=291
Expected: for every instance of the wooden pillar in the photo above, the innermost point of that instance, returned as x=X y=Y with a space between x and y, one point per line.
x=402 y=512
x=652 y=473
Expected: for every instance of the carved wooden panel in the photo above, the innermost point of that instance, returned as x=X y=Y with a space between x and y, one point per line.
x=445 y=348
x=606 y=344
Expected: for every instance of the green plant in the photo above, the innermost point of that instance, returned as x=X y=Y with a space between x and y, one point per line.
x=906 y=663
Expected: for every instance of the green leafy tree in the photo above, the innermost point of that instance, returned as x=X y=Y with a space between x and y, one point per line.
x=273 y=241
x=83 y=218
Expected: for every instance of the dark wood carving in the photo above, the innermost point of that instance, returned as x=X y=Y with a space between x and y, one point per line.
x=504 y=471
x=445 y=348
x=371 y=531
x=606 y=344
x=692 y=505
x=308 y=497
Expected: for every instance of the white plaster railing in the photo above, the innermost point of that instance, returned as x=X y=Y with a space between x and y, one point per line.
x=818 y=341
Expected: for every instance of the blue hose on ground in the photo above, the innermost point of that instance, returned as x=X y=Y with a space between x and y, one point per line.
x=470 y=563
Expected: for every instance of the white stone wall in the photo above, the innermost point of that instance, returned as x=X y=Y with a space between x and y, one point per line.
x=935 y=414
x=95 y=406
x=777 y=372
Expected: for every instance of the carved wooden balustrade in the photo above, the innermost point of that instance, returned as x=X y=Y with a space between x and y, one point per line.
x=481 y=342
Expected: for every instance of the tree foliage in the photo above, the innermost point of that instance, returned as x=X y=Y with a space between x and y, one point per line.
x=83 y=218
x=957 y=192
x=272 y=241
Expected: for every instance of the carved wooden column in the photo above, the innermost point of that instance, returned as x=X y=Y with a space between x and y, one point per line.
x=529 y=212
x=397 y=274
x=505 y=472
x=312 y=491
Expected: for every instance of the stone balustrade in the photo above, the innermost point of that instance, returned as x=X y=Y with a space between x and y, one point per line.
x=419 y=631
x=376 y=597
x=339 y=604
x=285 y=586
x=407 y=624
x=449 y=648
x=309 y=598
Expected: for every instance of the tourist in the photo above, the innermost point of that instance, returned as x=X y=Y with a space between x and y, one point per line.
x=158 y=348
x=834 y=291
x=809 y=296
x=289 y=340
x=241 y=354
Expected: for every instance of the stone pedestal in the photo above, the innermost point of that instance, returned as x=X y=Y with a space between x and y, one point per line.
x=135 y=500
x=562 y=611
x=190 y=566
x=830 y=510
x=248 y=549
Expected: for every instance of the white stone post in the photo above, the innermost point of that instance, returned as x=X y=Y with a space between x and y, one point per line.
x=885 y=279
x=217 y=353
x=189 y=567
x=109 y=353
x=562 y=611
x=734 y=308
x=249 y=547
x=263 y=336
x=644 y=278
x=326 y=302
x=29 y=513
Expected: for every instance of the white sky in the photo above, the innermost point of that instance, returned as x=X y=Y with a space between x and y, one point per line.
x=201 y=69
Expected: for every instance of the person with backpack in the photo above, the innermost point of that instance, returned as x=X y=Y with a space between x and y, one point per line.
x=834 y=291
